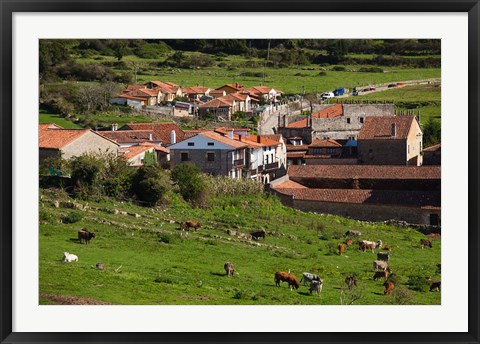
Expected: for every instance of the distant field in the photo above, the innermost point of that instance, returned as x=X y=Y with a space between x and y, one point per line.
x=424 y=98
x=56 y=119
x=149 y=261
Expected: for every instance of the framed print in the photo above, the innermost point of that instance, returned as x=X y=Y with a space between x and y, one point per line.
x=235 y=172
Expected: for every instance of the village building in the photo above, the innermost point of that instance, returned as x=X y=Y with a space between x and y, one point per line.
x=160 y=131
x=268 y=94
x=231 y=88
x=370 y=193
x=168 y=91
x=195 y=93
x=55 y=141
x=390 y=140
x=136 y=155
x=432 y=155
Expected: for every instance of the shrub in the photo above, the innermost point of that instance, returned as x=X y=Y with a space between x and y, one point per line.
x=85 y=169
x=418 y=283
x=322 y=73
x=150 y=184
x=371 y=70
x=165 y=238
x=190 y=181
x=45 y=216
x=339 y=68
x=72 y=217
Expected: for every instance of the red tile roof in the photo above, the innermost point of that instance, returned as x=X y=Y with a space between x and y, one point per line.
x=217 y=92
x=161 y=130
x=195 y=90
x=330 y=112
x=45 y=126
x=290 y=184
x=380 y=127
x=128 y=136
x=166 y=86
x=59 y=138
x=295 y=154
x=324 y=143
x=133 y=151
x=217 y=103
x=293 y=148
x=433 y=148
x=423 y=199
x=235 y=86
x=364 y=172
x=223 y=139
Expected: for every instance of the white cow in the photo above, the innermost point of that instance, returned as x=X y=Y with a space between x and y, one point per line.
x=316 y=286
x=307 y=277
x=68 y=257
x=381 y=265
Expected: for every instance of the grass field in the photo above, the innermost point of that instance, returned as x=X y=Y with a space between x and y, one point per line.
x=149 y=261
x=56 y=119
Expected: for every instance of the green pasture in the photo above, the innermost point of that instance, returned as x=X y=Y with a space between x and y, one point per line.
x=149 y=261
x=57 y=119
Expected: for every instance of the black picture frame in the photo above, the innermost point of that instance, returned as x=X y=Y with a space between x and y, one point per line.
x=9 y=7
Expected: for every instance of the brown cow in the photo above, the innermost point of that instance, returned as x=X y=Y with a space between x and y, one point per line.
x=341 y=249
x=389 y=286
x=84 y=235
x=286 y=277
x=229 y=269
x=381 y=274
x=191 y=224
x=349 y=242
x=425 y=243
x=350 y=281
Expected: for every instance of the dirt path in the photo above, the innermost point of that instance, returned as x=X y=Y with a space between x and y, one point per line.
x=72 y=300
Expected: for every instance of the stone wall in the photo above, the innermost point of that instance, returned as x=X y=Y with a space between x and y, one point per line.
x=89 y=143
x=221 y=165
x=382 y=152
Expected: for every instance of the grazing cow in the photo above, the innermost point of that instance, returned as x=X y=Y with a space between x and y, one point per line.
x=68 y=257
x=229 y=269
x=317 y=286
x=100 y=266
x=436 y=286
x=341 y=249
x=369 y=245
x=352 y=233
x=381 y=274
x=84 y=235
x=307 y=277
x=259 y=234
x=389 y=286
x=425 y=243
x=350 y=281
x=381 y=265
x=383 y=256
x=191 y=224
x=387 y=248
x=349 y=242
x=286 y=277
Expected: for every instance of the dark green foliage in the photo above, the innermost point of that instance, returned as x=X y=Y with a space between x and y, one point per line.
x=150 y=184
x=418 y=283
x=339 y=68
x=371 y=70
x=72 y=217
x=152 y=50
x=85 y=170
x=190 y=181
x=150 y=158
x=431 y=133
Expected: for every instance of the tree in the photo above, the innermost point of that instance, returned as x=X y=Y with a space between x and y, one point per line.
x=431 y=133
x=150 y=184
x=119 y=51
x=85 y=170
x=190 y=181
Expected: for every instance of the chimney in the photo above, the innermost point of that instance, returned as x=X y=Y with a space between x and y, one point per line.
x=173 y=137
x=259 y=139
x=150 y=137
x=230 y=134
x=114 y=126
x=394 y=130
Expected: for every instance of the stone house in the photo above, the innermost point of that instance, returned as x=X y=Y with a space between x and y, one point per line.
x=218 y=108
x=432 y=155
x=168 y=91
x=194 y=93
x=135 y=155
x=390 y=140
x=212 y=152
x=370 y=193
x=268 y=94
x=54 y=141
x=231 y=88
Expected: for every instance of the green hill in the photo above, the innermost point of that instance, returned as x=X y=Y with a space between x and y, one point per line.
x=150 y=261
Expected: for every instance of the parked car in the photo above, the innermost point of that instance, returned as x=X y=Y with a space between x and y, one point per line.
x=392 y=85
x=400 y=84
x=355 y=93
x=328 y=95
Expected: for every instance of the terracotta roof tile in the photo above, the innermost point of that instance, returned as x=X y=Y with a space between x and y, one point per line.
x=324 y=143
x=161 y=130
x=433 y=148
x=223 y=139
x=128 y=136
x=59 y=138
x=195 y=90
x=290 y=184
x=423 y=199
x=294 y=148
x=364 y=172
x=380 y=127
x=295 y=154
x=216 y=103
x=133 y=151
x=330 y=112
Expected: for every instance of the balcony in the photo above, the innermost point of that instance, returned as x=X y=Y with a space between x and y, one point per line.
x=271 y=167
x=238 y=162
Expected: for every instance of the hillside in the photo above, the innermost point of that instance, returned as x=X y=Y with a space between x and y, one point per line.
x=150 y=261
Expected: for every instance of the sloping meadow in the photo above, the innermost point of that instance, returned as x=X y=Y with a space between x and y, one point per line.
x=150 y=257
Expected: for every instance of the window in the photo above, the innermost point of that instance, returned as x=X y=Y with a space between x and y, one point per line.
x=317 y=151
x=210 y=143
x=360 y=119
x=184 y=156
x=210 y=156
x=331 y=150
x=191 y=143
x=348 y=120
x=408 y=149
